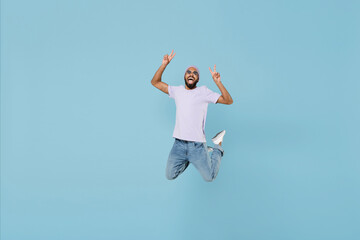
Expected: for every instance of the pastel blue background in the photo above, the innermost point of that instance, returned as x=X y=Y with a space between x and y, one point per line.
x=85 y=137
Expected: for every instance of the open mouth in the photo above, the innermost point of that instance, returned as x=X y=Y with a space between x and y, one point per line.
x=191 y=80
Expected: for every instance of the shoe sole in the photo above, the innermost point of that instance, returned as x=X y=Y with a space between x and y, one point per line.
x=214 y=138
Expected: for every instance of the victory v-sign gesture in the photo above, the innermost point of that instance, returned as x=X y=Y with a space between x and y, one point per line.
x=156 y=80
x=225 y=98
x=168 y=58
x=215 y=75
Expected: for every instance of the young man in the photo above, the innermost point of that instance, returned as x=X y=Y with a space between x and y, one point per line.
x=189 y=133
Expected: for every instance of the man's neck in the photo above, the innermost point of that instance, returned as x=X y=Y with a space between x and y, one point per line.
x=186 y=87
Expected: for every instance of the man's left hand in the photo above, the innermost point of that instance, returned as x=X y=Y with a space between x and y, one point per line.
x=215 y=75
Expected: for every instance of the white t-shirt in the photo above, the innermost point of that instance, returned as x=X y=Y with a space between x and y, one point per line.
x=191 y=109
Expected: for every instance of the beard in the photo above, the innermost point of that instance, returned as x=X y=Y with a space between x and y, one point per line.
x=191 y=86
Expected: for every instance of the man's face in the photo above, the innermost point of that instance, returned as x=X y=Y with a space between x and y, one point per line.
x=191 y=77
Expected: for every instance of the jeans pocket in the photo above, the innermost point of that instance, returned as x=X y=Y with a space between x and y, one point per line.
x=199 y=145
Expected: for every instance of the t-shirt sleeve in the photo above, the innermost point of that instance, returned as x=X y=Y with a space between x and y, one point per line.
x=171 y=92
x=211 y=97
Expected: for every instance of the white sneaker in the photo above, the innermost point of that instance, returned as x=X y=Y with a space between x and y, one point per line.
x=218 y=137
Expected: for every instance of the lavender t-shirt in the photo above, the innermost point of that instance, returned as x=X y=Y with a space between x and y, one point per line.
x=191 y=109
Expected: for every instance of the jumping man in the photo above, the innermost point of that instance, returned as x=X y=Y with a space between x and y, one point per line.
x=189 y=133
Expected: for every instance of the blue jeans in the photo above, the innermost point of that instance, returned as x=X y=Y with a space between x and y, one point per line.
x=185 y=152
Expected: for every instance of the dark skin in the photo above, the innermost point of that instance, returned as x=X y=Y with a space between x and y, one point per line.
x=190 y=78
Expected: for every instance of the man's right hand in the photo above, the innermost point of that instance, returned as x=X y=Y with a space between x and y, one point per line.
x=168 y=58
x=156 y=80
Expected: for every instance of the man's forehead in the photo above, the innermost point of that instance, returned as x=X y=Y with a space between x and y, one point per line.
x=192 y=69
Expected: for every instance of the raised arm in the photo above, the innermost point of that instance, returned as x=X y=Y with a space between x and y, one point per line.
x=225 y=97
x=156 y=80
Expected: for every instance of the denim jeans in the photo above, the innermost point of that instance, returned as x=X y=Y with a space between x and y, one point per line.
x=185 y=152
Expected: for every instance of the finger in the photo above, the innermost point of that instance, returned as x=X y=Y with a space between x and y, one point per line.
x=172 y=54
x=215 y=68
x=171 y=57
x=210 y=70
